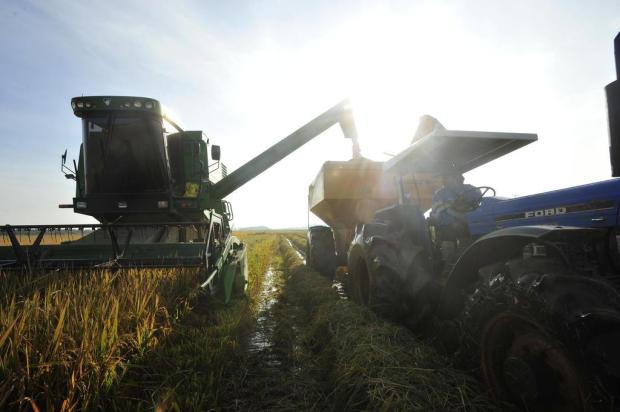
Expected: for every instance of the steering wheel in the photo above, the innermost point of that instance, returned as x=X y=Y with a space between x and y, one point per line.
x=464 y=205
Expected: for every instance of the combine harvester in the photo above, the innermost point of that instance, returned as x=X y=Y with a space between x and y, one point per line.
x=155 y=193
x=534 y=287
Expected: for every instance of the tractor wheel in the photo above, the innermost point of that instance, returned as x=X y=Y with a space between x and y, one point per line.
x=321 y=250
x=526 y=356
x=391 y=275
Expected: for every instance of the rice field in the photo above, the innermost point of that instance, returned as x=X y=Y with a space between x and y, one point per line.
x=152 y=340
x=49 y=238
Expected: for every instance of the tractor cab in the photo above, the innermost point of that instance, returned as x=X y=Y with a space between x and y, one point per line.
x=458 y=151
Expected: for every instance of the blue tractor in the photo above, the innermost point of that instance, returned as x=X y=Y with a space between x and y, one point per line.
x=531 y=290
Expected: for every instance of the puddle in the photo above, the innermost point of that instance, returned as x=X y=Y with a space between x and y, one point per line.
x=261 y=339
x=339 y=289
x=300 y=254
x=337 y=285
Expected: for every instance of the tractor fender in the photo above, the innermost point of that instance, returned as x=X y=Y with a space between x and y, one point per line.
x=577 y=299
x=503 y=245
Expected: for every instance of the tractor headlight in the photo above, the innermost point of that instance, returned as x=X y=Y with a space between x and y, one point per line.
x=80 y=105
x=162 y=204
x=127 y=105
x=122 y=205
x=88 y=105
x=148 y=105
x=137 y=104
x=73 y=106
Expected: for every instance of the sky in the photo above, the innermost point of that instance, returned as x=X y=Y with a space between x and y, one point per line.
x=249 y=73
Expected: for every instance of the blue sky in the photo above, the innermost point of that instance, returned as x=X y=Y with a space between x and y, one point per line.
x=248 y=73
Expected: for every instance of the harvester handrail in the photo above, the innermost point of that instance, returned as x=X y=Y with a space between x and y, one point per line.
x=208 y=240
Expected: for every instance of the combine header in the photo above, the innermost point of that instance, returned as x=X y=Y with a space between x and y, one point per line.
x=158 y=195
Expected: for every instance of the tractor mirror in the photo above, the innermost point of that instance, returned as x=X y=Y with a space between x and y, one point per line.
x=215 y=152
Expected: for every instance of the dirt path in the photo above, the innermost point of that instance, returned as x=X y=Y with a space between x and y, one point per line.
x=275 y=378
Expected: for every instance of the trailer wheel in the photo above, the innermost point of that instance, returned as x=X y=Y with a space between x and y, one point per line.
x=358 y=279
x=391 y=275
x=321 y=250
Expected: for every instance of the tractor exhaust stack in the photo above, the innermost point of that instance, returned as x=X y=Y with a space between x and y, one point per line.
x=613 y=108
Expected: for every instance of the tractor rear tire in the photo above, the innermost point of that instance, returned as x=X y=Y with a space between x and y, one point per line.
x=524 y=354
x=390 y=274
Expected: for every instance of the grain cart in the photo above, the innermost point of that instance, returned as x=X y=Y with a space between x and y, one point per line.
x=156 y=192
x=534 y=297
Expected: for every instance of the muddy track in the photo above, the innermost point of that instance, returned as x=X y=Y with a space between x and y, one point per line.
x=312 y=350
x=336 y=283
x=275 y=378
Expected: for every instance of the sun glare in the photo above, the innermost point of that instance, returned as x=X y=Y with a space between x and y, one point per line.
x=389 y=62
x=170 y=114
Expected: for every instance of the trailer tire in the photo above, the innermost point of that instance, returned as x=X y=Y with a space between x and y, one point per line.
x=321 y=250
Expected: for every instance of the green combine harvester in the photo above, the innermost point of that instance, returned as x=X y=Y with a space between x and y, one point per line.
x=158 y=192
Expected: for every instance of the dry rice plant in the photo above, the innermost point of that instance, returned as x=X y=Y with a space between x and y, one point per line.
x=66 y=338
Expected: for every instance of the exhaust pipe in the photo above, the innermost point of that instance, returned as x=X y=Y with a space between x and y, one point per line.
x=613 y=109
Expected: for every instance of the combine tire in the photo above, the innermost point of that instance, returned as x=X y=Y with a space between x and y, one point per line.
x=240 y=285
x=321 y=250
x=391 y=275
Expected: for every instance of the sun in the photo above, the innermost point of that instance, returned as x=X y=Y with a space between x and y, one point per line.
x=390 y=62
